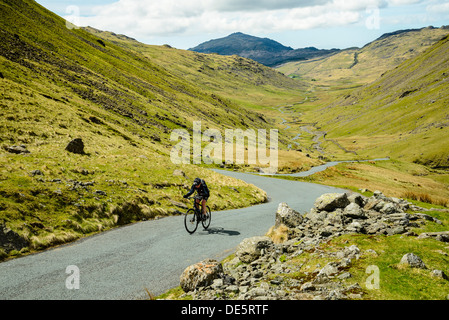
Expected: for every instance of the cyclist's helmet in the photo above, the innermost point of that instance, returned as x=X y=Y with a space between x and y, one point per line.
x=197 y=181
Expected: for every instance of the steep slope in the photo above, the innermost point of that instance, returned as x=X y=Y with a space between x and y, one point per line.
x=403 y=114
x=124 y=82
x=263 y=50
x=232 y=77
x=359 y=66
x=59 y=83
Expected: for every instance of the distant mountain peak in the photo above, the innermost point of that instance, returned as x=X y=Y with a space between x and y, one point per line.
x=263 y=50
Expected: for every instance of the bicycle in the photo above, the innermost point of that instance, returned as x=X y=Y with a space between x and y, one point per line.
x=193 y=217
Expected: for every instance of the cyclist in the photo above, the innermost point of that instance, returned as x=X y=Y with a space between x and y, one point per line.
x=199 y=185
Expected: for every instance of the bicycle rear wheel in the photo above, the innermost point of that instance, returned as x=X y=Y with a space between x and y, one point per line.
x=190 y=221
x=206 y=222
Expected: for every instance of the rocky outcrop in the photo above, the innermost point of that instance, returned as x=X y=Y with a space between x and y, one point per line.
x=259 y=271
x=76 y=146
x=10 y=240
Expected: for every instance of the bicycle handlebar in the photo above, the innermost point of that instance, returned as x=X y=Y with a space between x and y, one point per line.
x=194 y=197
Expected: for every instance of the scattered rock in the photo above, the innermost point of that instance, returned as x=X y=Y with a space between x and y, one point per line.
x=413 y=261
x=179 y=173
x=379 y=195
x=259 y=271
x=439 y=274
x=10 y=240
x=332 y=201
x=358 y=199
x=201 y=274
x=18 y=149
x=353 y=210
x=36 y=173
x=179 y=204
x=442 y=236
x=287 y=216
x=251 y=248
x=329 y=270
x=76 y=146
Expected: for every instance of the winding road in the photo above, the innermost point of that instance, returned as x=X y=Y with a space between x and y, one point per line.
x=125 y=262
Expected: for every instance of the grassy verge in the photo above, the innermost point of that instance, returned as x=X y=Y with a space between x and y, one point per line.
x=396 y=282
x=394 y=178
x=51 y=199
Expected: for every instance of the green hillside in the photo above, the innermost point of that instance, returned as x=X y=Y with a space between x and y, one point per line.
x=241 y=80
x=59 y=83
x=359 y=66
x=403 y=114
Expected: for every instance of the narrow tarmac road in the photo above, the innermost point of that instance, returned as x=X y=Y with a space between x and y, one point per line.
x=125 y=262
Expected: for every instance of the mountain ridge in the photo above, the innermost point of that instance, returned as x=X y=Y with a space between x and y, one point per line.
x=263 y=50
x=360 y=66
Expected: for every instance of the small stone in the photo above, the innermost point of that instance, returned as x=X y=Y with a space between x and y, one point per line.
x=10 y=240
x=330 y=269
x=439 y=274
x=308 y=286
x=345 y=275
x=36 y=173
x=250 y=249
x=179 y=173
x=353 y=210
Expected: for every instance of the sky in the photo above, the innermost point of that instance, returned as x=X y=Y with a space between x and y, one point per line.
x=184 y=24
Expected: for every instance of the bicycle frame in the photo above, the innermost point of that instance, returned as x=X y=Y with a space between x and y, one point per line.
x=191 y=221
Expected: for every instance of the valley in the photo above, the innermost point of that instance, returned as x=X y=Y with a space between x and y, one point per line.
x=349 y=117
x=123 y=99
x=60 y=84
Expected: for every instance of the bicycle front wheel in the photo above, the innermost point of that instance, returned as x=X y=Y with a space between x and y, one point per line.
x=206 y=222
x=190 y=221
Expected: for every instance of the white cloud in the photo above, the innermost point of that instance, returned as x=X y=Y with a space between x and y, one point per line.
x=146 y=18
x=404 y=2
x=439 y=9
x=263 y=5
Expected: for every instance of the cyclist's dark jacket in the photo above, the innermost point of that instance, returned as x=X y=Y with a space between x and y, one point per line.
x=203 y=190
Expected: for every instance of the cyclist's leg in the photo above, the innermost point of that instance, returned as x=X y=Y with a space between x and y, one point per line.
x=203 y=203
x=197 y=202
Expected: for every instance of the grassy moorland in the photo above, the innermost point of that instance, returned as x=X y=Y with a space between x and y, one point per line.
x=124 y=99
x=354 y=67
x=59 y=83
x=402 y=114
